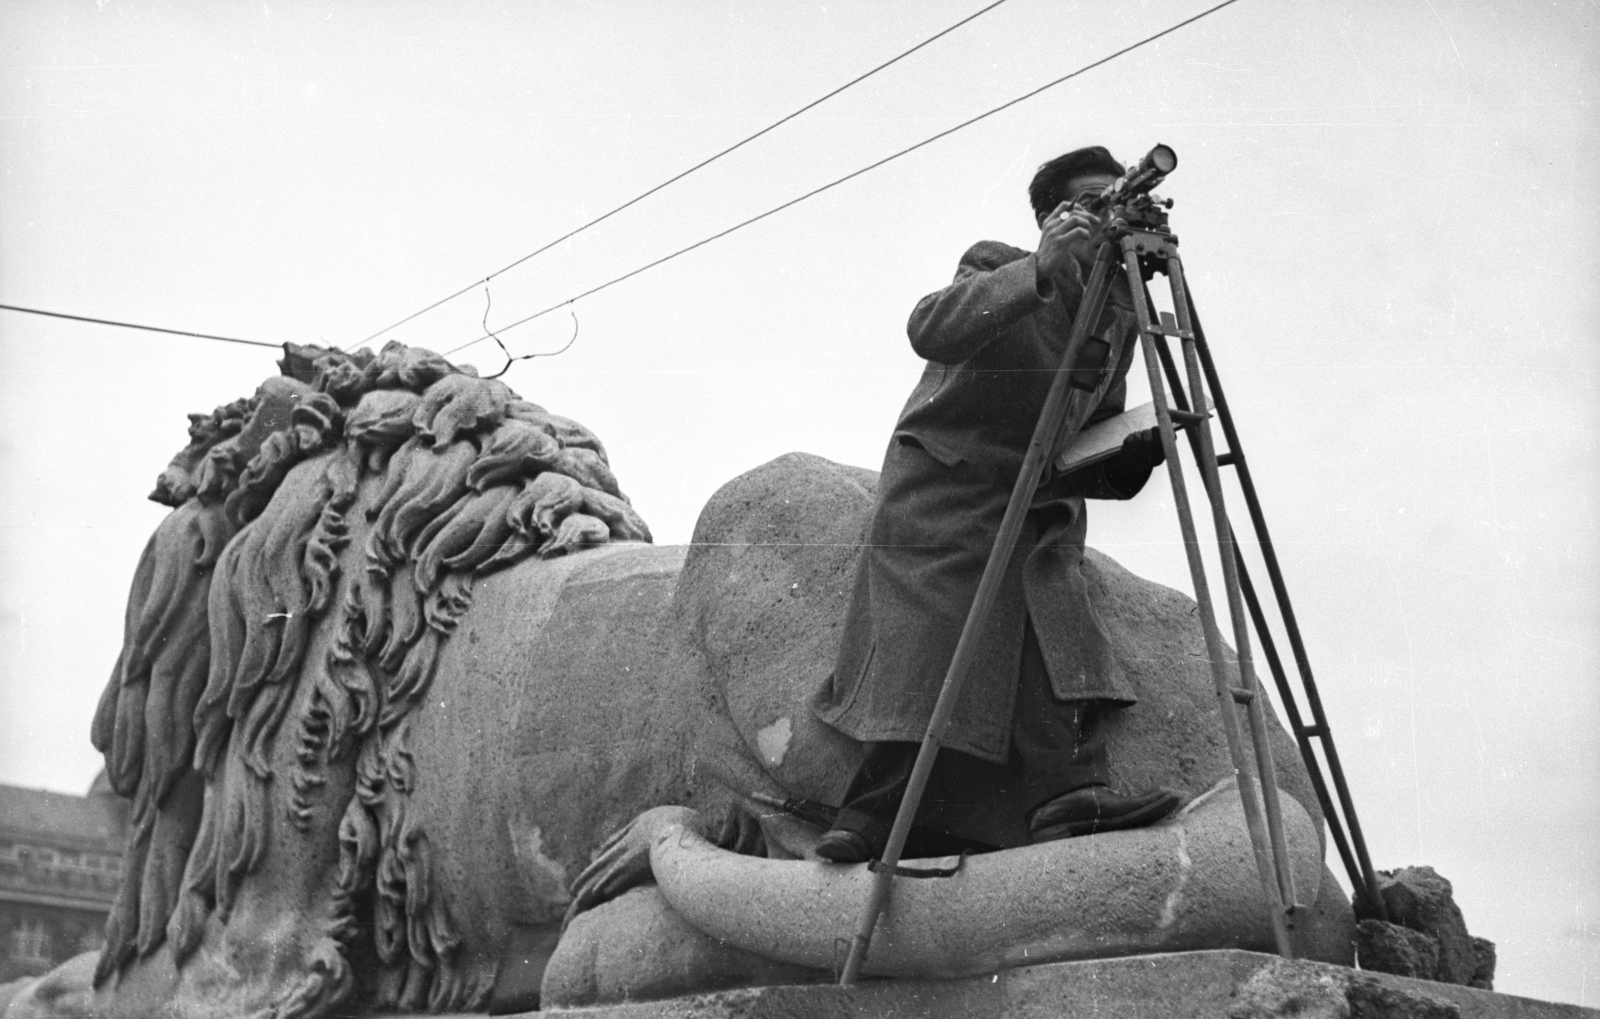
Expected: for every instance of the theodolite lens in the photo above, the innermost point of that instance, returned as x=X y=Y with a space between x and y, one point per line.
x=1160 y=159
x=1152 y=170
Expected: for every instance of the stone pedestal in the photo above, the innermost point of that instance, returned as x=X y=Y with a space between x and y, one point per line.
x=1225 y=984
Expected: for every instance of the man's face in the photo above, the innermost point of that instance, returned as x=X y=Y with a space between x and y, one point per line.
x=1081 y=189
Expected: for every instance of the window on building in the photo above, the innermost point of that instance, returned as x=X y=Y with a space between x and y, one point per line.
x=30 y=940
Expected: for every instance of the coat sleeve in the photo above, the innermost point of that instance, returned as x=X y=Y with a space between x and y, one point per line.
x=988 y=296
x=1117 y=477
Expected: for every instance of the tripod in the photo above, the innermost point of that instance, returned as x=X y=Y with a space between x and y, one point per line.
x=1137 y=241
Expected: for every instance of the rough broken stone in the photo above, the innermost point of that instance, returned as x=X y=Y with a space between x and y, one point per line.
x=1288 y=990
x=1483 y=972
x=1418 y=898
x=1391 y=948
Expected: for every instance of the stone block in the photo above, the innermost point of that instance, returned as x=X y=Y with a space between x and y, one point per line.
x=1278 y=992
x=1418 y=898
x=1222 y=984
x=1370 y=998
x=1391 y=948
x=1483 y=973
x=1289 y=990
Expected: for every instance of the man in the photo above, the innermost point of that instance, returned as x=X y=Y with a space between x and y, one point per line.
x=1045 y=670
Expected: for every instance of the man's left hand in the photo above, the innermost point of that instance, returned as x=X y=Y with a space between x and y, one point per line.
x=1145 y=448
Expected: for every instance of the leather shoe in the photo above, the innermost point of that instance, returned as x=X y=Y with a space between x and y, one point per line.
x=1098 y=808
x=843 y=846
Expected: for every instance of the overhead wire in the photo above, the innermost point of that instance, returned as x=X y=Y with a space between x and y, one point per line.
x=680 y=176
x=488 y=303
x=135 y=325
x=852 y=175
x=698 y=244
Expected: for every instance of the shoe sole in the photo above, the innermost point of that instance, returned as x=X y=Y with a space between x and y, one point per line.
x=1146 y=815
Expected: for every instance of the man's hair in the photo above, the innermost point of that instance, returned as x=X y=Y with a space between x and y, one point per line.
x=1049 y=187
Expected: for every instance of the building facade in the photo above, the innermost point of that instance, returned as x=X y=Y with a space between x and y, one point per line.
x=60 y=866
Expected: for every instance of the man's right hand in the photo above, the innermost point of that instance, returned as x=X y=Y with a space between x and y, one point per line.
x=1064 y=249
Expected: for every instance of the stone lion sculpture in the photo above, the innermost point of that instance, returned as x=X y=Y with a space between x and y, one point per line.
x=403 y=678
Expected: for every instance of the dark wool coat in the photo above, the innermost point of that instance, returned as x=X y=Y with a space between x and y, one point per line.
x=993 y=343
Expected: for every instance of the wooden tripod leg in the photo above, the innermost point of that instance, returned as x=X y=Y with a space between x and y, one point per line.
x=1362 y=876
x=1249 y=684
x=1215 y=647
x=1355 y=860
x=1045 y=439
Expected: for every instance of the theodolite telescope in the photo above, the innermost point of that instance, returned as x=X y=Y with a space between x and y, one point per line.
x=1141 y=180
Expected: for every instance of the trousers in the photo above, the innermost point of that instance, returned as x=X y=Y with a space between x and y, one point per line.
x=1057 y=745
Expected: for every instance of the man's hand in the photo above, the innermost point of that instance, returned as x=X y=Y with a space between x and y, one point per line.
x=1144 y=449
x=1064 y=249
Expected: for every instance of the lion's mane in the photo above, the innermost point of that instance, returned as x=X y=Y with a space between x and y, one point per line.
x=470 y=478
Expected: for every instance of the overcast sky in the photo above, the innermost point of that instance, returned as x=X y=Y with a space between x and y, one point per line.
x=1388 y=210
